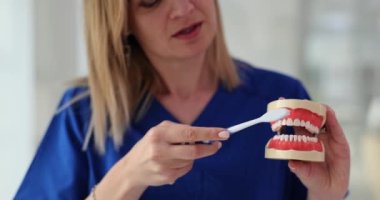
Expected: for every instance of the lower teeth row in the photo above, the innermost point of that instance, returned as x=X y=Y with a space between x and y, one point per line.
x=295 y=138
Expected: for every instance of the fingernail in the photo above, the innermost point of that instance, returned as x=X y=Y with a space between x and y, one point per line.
x=224 y=134
x=291 y=166
x=219 y=145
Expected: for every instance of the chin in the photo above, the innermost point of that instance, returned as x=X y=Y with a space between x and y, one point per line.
x=188 y=53
x=195 y=49
x=308 y=115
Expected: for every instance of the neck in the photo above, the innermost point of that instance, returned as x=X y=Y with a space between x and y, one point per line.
x=184 y=78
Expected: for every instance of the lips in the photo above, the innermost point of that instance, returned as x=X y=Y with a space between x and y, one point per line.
x=189 y=30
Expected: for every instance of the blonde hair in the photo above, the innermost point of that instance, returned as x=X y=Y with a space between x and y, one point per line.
x=120 y=89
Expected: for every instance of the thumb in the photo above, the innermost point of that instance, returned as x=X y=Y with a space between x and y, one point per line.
x=301 y=169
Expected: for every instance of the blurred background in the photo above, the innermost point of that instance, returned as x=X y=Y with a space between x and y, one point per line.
x=333 y=46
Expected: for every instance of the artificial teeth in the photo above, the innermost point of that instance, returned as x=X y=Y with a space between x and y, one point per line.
x=283 y=122
x=316 y=130
x=311 y=129
x=297 y=122
x=295 y=138
x=286 y=137
x=304 y=138
x=307 y=124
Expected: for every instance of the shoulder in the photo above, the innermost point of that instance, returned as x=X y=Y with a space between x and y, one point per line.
x=76 y=97
x=74 y=92
x=75 y=108
x=61 y=144
x=269 y=84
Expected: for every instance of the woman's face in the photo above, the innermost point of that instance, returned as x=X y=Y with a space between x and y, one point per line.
x=173 y=29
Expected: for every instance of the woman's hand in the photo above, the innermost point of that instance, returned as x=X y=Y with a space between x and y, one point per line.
x=159 y=158
x=328 y=180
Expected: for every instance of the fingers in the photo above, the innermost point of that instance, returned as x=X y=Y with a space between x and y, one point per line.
x=183 y=170
x=331 y=121
x=167 y=142
x=177 y=163
x=163 y=157
x=333 y=127
x=179 y=133
x=170 y=176
x=301 y=169
x=195 y=151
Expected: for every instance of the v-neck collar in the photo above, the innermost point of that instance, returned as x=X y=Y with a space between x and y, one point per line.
x=206 y=114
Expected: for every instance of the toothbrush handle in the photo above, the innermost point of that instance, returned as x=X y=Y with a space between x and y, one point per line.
x=239 y=127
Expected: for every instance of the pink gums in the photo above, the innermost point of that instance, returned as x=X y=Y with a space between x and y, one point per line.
x=295 y=145
x=305 y=115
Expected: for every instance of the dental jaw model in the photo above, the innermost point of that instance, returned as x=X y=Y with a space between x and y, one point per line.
x=303 y=113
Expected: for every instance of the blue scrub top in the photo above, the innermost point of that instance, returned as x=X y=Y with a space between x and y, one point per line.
x=60 y=170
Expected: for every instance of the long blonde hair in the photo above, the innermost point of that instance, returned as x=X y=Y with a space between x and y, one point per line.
x=119 y=88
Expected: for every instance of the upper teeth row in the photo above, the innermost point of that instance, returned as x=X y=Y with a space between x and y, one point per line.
x=295 y=138
x=296 y=122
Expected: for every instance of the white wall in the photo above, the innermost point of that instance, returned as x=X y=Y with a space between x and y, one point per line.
x=41 y=48
x=59 y=53
x=17 y=96
x=264 y=32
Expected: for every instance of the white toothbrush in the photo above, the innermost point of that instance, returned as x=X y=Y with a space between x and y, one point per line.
x=269 y=116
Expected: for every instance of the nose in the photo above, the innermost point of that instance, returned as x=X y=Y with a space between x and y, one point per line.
x=181 y=8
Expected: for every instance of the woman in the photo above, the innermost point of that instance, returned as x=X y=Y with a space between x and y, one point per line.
x=160 y=77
